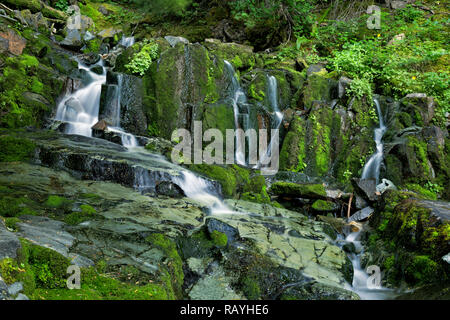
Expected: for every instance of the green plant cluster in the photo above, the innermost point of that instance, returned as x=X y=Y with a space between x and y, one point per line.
x=142 y=60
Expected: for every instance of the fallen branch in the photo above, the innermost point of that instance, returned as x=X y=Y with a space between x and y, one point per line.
x=349 y=206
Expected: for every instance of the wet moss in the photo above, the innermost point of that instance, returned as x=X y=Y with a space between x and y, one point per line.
x=219 y=238
x=322 y=205
x=15 y=149
x=289 y=189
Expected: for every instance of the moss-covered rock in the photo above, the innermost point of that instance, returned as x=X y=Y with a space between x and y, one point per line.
x=15 y=149
x=288 y=189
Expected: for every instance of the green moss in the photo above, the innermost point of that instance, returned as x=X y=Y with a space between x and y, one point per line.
x=251 y=288
x=14 y=207
x=322 y=205
x=426 y=194
x=87 y=213
x=15 y=149
x=289 y=189
x=293 y=151
x=174 y=276
x=421 y=269
x=11 y=223
x=220 y=239
x=54 y=201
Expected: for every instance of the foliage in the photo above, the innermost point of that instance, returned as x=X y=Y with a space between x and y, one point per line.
x=164 y=7
x=142 y=60
x=15 y=149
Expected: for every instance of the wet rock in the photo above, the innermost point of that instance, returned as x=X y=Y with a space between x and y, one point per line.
x=3 y=290
x=21 y=296
x=169 y=189
x=366 y=188
x=97 y=69
x=15 y=288
x=9 y=242
x=76 y=27
x=360 y=203
x=314 y=68
x=173 y=41
x=398 y=4
x=104 y=11
x=102 y=125
x=324 y=206
x=349 y=247
x=385 y=185
x=362 y=215
x=214 y=224
x=90 y=58
x=422 y=103
x=36 y=21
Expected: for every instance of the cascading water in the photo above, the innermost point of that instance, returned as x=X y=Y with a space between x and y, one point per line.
x=80 y=108
x=241 y=120
x=372 y=167
x=361 y=279
x=126 y=41
x=128 y=140
x=201 y=190
x=277 y=114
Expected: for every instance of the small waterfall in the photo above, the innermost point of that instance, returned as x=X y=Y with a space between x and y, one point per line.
x=241 y=119
x=126 y=41
x=201 y=190
x=128 y=140
x=361 y=279
x=277 y=118
x=80 y=108
x=372 y=167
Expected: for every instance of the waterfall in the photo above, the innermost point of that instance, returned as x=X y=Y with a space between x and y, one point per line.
x=128 y=140
x=126 y=41
x=201 y=190
x=372 y=167
x=80 y=108
x=239 y=100
x=360 y=284
x=277 y=118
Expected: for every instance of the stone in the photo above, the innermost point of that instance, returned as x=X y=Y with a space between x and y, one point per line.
x=349 y=247
x=9 y=242
x=97 y=69
x=76 y=27
x=3 y=289
x=366 y=188
x=296 y=190
x=362 y=215
x=12 y=42
x=169 y=189
x=215 y=224
x=15 y=288
x=21 y=296
x=343 y=85
x=360 y=203
x=314 y=68
x=385 y=185
x=398 y=4
x=396 y=39
x=424 y=104
x=173 y=41
x=102 y=125
x=90 y=58
x=104 y=11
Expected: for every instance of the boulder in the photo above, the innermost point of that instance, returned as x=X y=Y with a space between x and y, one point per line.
x=385 y=185
x=15 y=288
x=362 y=215
x=102 y=125
x=396 y=39
x=11 y=42
x=343 y=85
x=398 y=4
x=169 y=189
x=422 y=103
x=9 y=243
x=366 y=188
x=174 y=40
x=215 y=224
x=295 y=190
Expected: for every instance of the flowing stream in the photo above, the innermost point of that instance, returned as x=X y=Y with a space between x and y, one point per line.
x=372 y=167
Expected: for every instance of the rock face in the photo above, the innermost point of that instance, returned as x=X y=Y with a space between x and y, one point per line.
x=125 y=229
x=362 y=215
x=9 y=243
x=12 y=42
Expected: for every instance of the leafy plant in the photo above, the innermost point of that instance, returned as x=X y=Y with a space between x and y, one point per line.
x=142 y=60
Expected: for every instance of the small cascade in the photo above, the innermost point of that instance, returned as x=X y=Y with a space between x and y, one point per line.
x=277 y=118
x=240 y=108
x=201 y=190
x=126 y=41
x=361 y=279
x=80 y=108
x=372 y=167
x=128 y=140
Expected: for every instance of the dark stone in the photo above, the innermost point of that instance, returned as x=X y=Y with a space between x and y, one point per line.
x=90 y=58
x=366 y=188
x=169 y=189
x=97 y=69
x=349 y=247
x=214 y=224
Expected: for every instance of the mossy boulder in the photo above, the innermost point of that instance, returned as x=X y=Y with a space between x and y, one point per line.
x=15 y=149
x=294 y=190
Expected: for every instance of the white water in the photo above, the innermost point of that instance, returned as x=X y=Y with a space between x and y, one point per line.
x=80 y=108
x=126 y=41
x=200 y=189
x=277 y=115
x=372 y=167
x=240 y=119
x=361 y=279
